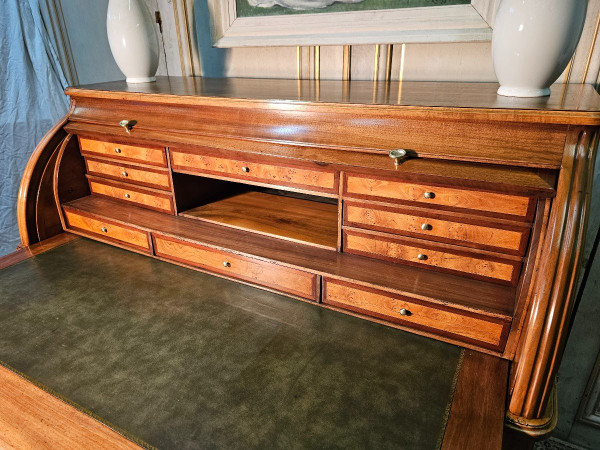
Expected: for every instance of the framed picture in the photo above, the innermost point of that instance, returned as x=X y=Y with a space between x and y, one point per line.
x=249 y=23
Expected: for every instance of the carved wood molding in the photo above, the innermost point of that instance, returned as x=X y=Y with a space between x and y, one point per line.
x=555 y=283
x=31 y=179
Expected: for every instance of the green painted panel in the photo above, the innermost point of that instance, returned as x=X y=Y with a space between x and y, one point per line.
x=253 y=8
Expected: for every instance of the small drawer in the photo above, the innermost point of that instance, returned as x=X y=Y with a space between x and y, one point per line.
x=157 y=200
x=106 y=229
x=274 y=276
x=445 y=258
x=490 y=203
x=259 y=172
x=438 y=227
x=147 y=155
x=133 y=174
x=476 y=328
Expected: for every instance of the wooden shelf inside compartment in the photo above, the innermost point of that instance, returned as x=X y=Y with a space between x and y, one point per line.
x=294 y=219
x=414 y=282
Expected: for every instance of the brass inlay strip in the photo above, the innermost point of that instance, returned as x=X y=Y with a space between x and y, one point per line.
x=299 y=62
x=376 y=63
x=388 y=62
x=346 y=63
x=179 y=44
x=401 y=74
x=317 y=62
x=569 y=69
x=589 y=58
x=186 y=24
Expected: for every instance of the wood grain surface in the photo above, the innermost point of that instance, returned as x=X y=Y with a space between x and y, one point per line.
x=31 y=418
x=490 y=333
x=265 y=273
x=154 y=156
x=486 y=297
x=294 y=219
x=477 y=415
x=387 y=190
x=426 y=224
x=437 y=256
x=157 y=200
x=129 y=173
x=245 y=169
x=107 y=229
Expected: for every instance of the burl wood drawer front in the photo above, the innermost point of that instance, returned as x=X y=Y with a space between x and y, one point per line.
x=107 y=230
x=397 y=220
x=126 y=172
x=486 y=331
x=303 y=178
x=443 y=258
x=485 y=202
x=285 y=279
x=153 y=156
x=158 y=201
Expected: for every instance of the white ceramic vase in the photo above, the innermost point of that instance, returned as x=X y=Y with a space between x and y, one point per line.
x=133 y=40
x=532 y=43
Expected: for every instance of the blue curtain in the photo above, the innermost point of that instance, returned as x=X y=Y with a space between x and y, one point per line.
x=31 y=101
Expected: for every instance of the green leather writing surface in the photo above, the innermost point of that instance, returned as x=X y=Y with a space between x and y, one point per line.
x=181 y=359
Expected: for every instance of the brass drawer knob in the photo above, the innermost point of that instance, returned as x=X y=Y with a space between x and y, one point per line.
x=127 y=196
x=429 y=194
x=117 y=150
x=397 y=155
x=245 y=169
x=421 y=257
x=127 y=125
x=404 y=312
x=124 y=173
x=104 y=229
x=426 y=227
x=226 y=264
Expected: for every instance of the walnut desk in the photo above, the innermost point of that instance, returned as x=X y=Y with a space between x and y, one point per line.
x=441 y=209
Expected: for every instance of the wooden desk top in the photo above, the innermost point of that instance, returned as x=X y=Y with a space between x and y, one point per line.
x=566 y=104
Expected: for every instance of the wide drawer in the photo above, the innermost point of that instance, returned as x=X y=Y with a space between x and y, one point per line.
x=106 y=230
x=491 y=203
x=437 y=227
x=157 y=200
x=147 y=155
x=486 y=331
x=445 y=258
x=274 y=276
x=130 y=173
x=260 y=172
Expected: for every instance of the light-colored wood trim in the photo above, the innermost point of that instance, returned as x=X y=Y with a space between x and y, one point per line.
x=33 y=418
x=456 y=23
